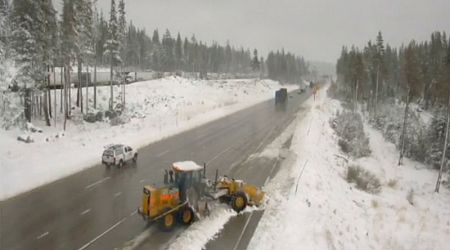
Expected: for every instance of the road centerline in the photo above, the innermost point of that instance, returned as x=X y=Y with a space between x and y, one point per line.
x=243 y=231
x=42 y=235
x=97 y=183
x=85 y=212
x=162 y=153
x=102 y=234
x=219 y=154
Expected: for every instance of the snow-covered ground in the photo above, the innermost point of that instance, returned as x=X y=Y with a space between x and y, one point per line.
x=312 y=206
x=155 y=109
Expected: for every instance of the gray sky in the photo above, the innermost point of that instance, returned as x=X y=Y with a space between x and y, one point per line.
x=315 y=29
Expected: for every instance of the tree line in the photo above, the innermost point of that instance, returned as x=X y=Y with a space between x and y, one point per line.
x=378 y=71
x=286 y=67
x=416 y=73
x=82 y=38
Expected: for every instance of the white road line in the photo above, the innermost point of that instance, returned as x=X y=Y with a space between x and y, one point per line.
x=141 y=181
x=270 y=173
x=242 y=233
x=85 y=211
x=219 y=154
x=300 y=176
x=117 y=194
x=273 y=168
x=134 y=213
x=97 y=182
x=162 y=153
x=267 y=180
x=137 y=241
x=42 y=235
x=102 y=234
x=264 y=139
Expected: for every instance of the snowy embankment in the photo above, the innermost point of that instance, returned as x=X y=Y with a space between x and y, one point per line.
x=312 y=206
x=155 y=110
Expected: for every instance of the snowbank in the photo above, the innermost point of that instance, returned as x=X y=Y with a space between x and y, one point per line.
x=155 y=109
x=199 y=233
x=313 y=207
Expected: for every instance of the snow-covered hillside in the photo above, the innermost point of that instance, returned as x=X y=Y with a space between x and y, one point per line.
x=312 y=206
x=155 y=109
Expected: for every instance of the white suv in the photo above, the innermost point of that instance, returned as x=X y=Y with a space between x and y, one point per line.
x=118 y=155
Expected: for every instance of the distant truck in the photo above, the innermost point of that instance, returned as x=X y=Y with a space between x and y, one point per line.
x=281 y=97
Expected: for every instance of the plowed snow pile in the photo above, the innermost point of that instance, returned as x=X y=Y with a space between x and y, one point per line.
x=154 y=110
x=312 y=206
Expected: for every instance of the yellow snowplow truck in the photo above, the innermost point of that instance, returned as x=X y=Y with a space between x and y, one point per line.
x=187 y=195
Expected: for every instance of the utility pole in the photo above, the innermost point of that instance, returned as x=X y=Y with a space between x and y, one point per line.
x=444 y=151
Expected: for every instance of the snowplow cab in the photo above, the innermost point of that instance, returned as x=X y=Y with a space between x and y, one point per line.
x=174 y=201
x=188 y=175
x=190 y=180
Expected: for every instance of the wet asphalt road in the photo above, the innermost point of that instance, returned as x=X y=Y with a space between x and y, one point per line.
x=96 y=208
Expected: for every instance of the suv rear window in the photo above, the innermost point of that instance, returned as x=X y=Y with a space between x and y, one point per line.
x=118 y=151
x=108 y=153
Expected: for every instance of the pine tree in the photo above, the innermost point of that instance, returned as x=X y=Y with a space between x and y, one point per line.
x=112 y=48
x=168 y=48
x=69 y=50
x=98 y=44
x=262 y=67
x=255 y=60
x=379 y=64
x=4 y=35
x=34 y=25
x=48 y=39
x=26 y=17
x=155 y=38
x=186 y=55
x=4 y=24
x=88 y=42
x=122 y=41
x=122 y=25
x=445 y=146
x=179 y=52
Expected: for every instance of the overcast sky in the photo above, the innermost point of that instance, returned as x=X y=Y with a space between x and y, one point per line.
x=315 y=29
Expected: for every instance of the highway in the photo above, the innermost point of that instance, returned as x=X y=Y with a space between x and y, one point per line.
x=96 y=208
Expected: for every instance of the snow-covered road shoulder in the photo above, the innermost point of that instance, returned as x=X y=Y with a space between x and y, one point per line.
x=313 y=206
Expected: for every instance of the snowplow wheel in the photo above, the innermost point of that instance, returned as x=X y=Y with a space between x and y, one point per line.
x=239 y=201
x=120 y=164
x=186 y=216
x=135 y=158
x=167 y=223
